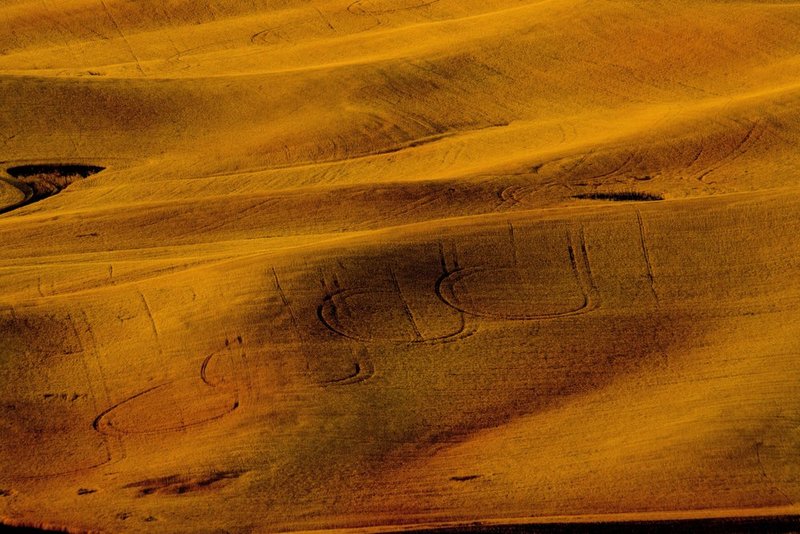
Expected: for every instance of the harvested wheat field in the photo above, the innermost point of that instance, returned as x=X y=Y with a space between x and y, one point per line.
x=380 y=265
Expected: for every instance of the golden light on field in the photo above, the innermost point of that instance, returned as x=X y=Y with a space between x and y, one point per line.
x=397 y=264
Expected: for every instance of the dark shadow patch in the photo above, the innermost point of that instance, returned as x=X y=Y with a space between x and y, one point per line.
x=708 y=526
x=86 y=491
x=621 y=196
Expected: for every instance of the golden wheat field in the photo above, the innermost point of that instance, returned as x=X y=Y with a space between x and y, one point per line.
x=379 y=265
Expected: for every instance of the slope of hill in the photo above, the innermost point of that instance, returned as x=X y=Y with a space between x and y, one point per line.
x=371 y=265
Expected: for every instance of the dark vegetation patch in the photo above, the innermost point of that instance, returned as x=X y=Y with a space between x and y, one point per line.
x=53 y=169
x=40 y=181
x=465 y=478
x=179 y=485
x=26 y=530
x=621 y=196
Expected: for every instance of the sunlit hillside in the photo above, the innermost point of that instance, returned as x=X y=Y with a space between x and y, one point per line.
x=295 y=265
